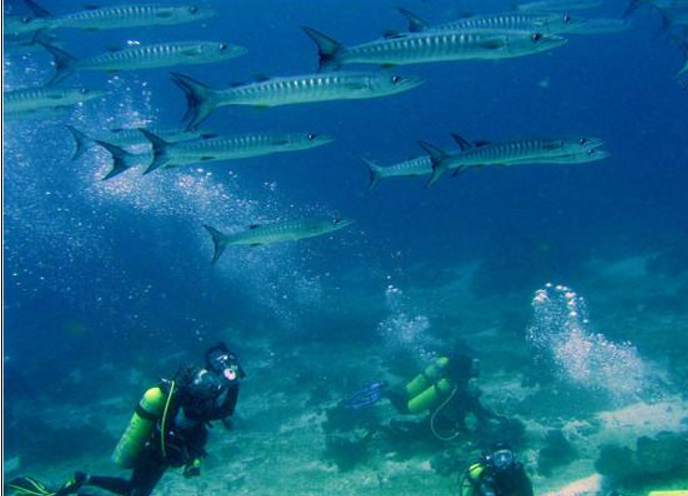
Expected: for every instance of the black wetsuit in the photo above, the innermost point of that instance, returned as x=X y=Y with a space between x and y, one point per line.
x=509 y=482
x=200 y=397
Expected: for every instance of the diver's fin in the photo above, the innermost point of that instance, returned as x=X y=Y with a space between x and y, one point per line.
x=28 y=486
x=161 y=155
x=329 y=49
x=201 y=100
x=121 y=159
x=375 y=172
x=438 y=158
x=416 y=24
x=220 y=242
x=65 y=64
x=83 y=142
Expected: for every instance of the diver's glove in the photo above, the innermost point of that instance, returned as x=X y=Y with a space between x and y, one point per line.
x=193 y=468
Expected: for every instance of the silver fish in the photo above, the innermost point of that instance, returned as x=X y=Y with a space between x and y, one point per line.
x=128 y=16
x=432 y=46
x=558 y=5
x=130 y=137
x=274 y=92
x=526 y=151
x=533 y=22
x=275 y=232
x=145 y=57
x=170 y=155
x=35 y=100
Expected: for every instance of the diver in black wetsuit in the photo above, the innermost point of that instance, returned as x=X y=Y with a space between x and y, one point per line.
x=168 y=429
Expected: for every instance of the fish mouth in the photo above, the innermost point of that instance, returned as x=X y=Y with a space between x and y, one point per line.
x=322 y=139
x=409 y=82
x=93 y=94
x=550 y=41
x=342 y=223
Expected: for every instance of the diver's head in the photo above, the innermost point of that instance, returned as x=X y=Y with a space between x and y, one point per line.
x=220 y=360
x=501 y=457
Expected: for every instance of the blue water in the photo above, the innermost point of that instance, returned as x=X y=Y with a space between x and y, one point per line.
x=116 y=272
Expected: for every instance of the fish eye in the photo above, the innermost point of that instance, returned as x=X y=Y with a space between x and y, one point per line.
x=396 y=79
x=83 y=91
x=310 y=136
x=567 y=18
x=26 y=20
x=223 y=46
x=193 y=9
x=582 y=141
x=536 y=37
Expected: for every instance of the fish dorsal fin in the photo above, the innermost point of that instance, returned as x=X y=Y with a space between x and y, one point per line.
x=416 y=24
x=481 y=143
x=37 y=10
x=209 y=135
x=114 y=48
x=236 y=84
x=91 y=7
x=254 y=226
x=466 y=15
x=462 y=142
x=261 y=78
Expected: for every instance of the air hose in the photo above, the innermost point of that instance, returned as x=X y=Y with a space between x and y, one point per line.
x=434 y=415
x=164 y=421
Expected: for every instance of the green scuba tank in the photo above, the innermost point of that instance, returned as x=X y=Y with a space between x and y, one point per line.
x=132 y=442
x=430 y=397
x=432 y=374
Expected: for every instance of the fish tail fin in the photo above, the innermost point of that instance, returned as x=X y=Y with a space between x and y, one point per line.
x=375 y=172
x=83 y=142
x=36 y=9
x=329 y=49
x=439 y=163
x=220 y=242
x=65 y=64
x=201 y=100
x=121 y=159
x=416 y=24
x=160 y=151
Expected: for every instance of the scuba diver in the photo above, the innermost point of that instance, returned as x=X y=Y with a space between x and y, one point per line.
x=447 y=389
x=169 y=428
x=496 y=474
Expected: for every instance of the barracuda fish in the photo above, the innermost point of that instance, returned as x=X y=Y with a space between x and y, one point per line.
x=145 y=57
x=558 y=5
x=127 y=16
x=274 y=92
x=35 y=100
x=275 y=232
x=130 y=137
x=169 y=155
x=545 y=23
x=419 y=166
x=431 y=46
x=529 y=151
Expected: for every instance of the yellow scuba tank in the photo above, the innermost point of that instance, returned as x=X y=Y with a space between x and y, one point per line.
x=430 y=375
x=430 y=397
x=471 y=480
x=140 y=428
